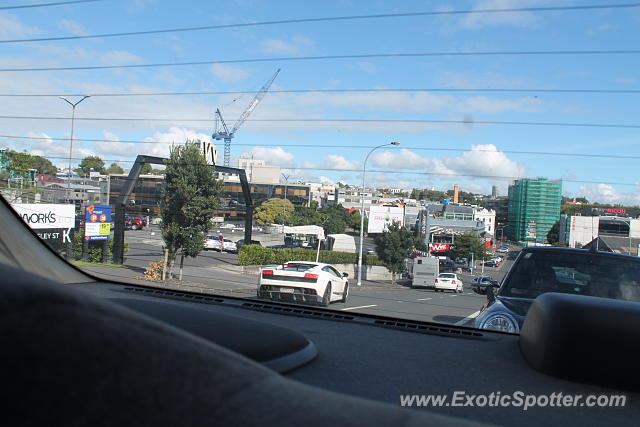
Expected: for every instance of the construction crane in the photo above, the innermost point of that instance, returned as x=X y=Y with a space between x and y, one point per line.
x=222 y=132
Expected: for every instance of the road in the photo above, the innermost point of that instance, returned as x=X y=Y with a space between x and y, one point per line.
x=215 y=272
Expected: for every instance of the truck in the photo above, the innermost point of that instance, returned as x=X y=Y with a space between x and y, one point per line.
x=424 y=271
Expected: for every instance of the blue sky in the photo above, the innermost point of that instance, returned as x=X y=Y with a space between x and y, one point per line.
x=304 y=145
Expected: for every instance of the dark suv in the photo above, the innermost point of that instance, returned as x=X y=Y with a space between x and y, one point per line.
x=539 y=270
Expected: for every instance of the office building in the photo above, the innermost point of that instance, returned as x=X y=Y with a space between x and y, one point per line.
x=534 y=206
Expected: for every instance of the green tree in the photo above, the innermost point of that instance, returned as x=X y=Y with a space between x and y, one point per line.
x=147 y=169
x=333 y=220
x=553 y=236
x=305 y=215
x=91 y=162
x=274 y=211
x=44 y=166
x=189 y=198
x=393 y=247
x=354 y=221
x=19 y=163
x=114 y=168
x=467 y=243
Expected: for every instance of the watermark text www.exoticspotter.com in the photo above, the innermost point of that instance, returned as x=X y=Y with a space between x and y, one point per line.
x=517 y=399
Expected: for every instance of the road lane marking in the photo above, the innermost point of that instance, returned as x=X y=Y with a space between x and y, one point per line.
x=361 y=306
x=469 y=317
x=423 y=299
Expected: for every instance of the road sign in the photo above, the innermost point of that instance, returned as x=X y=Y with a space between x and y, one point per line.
x=97 y=224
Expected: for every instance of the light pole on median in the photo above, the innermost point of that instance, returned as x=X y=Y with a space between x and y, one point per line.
x=73 y=116
x=364 y=172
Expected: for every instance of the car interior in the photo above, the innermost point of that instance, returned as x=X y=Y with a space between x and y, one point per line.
x=82 y=350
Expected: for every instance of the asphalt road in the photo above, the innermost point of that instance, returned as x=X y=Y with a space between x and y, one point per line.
x=214 y=272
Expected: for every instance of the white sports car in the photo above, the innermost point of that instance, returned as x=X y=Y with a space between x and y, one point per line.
x=303 y=281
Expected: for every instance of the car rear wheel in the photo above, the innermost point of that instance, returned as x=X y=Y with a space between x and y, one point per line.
x=326 y=298
x=134 y=227
x=345 y=293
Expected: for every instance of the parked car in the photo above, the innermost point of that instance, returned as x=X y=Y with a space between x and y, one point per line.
x=302 y=281
x=448 y=282
x=213 y=243
x=134 y=222
x=539 y=270
x=229 y=246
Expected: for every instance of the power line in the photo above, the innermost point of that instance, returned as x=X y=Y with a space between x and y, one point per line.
x=376 y=90
x=467 y=122
x=539 y=153
x=321 y=19
x=329 y=57
x=59 y=3
x=396 y=171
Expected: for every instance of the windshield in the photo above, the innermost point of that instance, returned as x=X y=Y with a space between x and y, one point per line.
x=393 y=141
x=574 y=273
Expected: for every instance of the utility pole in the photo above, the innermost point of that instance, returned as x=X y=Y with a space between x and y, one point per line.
x=73 y=116
x=286 y=181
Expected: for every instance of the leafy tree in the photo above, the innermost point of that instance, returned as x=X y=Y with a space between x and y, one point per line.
x=467 y=243
x=157 y=171
x=354 y=221
x=114 y=168
x=20 y=163
x=333 y=220
x=553 y=236
x=303 y=215
x=44 y=166
x=393 y=247
x=147 y=168
x=189 y=198
x=91 y=162
x=274 y=211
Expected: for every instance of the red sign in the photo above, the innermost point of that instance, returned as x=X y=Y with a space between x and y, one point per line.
x=617 y=211
x=439 y=247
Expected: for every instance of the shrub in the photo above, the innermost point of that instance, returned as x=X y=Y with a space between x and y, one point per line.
x=258 y=255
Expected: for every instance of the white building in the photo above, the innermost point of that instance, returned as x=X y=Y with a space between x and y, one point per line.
x=487 y=216
x=257 y=170
x=351 y=198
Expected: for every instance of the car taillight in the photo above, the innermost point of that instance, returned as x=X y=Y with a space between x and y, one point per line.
x=310 y=276
x=267 y=273
x=453 y=282
x=436 y=280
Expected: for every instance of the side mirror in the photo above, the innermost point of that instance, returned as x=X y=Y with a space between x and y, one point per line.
x=345 y=275
x=480 y=290
x=491 y=293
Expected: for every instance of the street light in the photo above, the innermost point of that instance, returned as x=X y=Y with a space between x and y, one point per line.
x=73 y=116
x=286 y=181
x=364 y=172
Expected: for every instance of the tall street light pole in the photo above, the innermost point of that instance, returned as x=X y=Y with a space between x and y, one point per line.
x=364 y=172
x=73 y=116
x=286 y=181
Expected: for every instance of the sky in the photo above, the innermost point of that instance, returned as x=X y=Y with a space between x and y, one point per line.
x=599 y=163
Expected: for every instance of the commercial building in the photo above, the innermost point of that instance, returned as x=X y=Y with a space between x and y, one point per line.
x=147 y=193
x=622 y=234
x=534 y=206
x=351 y=198
x=258 y=171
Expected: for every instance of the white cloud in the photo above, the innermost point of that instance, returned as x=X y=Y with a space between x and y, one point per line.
x=476 y=21
x=296 y=45
x=486 y=160
x=605 y=193
x=12 y=27
x=73 y=27
x=273 y=156
x=175 y=136
x=481 y=160
x=336 y=161
x=229 y=73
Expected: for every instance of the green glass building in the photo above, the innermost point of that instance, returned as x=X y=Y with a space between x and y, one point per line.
x=534 y=206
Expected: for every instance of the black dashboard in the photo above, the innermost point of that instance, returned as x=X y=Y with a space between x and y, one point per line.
x=383 y=358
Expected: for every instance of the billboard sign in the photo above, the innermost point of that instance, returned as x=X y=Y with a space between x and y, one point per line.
x=381 y=216
x=439 y=247
x=46 y=216
x=97 y=225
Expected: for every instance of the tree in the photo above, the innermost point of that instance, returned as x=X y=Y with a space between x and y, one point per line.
x=189 y=198
x=333 y=220
x=553 y=236
x=114 y=168
x=147 y=168
x=274 y=211
x=303 y=215
x=43 y=166
x=393 y=247
x=354 y=221
x=91 y=162
x=467 y=243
